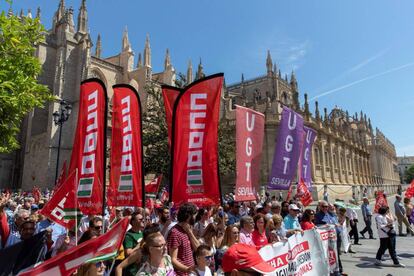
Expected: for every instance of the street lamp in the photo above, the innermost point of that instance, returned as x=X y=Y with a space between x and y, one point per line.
x=60 y=117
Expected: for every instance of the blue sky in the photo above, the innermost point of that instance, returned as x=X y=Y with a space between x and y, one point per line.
x=358 y=55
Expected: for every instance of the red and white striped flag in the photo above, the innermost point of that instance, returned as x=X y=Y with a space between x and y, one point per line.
x=90 y=251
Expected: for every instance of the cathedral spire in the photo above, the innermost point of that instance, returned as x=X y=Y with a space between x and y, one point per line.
x=167 y=61
x=38 y=12
x=317 y=115
x=306 y=106
x=61 y=11
x=83 y=18
x=125 y=41
x=200 y=73
x=242 y=78
x=29 y=13
x=293 y=82
x=98 y=49
x=10 y=13
x=190 y=72
x=147 y=53
x=269 y=63
x=139 y=64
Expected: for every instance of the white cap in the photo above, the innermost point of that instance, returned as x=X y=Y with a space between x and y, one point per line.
x=293 y=207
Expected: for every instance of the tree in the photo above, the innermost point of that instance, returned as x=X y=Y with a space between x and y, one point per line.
x=20 y=91
x=409 y=174
x=155 y=135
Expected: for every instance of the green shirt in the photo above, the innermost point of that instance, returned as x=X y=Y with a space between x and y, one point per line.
x=131 y=240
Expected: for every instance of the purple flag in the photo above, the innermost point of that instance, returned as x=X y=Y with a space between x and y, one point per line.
x=287 y=151
x=306 y=156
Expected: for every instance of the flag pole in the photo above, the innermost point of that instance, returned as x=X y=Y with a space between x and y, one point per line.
x=76 y=209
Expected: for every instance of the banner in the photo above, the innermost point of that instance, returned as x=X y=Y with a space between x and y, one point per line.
x=62 y=207
x=127 y=178
x=329 y=243
x=300 y=255
x=306 y=157
x=88 y=153
x=409 y=193
x=381 y=200
x=249 y=143
x=287 y=150
x=153 y=186
x=66 y=264
x=194 y=153
x=169 y=94
x=303 y=193
x=346 y=243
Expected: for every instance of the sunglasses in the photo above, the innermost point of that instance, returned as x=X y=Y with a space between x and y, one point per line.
x=325 y=206
x=159 y=246
x=208 y=258
x=97 y=227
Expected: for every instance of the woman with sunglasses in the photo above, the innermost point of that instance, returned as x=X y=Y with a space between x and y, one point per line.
x=308 y=219
x=154 y=250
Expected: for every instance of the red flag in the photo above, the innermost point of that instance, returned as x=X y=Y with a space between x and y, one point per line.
x=36 y=194
x=381 y=200
x=410 y=191
x=62 y=176
x=194 y=154
x=249 y=142
x=62 y=207
x=169 y=94
x=88 y=153
x=153 y=186
x=303 y=193
x=289 y=193
x=67 y=263
x=126 y=186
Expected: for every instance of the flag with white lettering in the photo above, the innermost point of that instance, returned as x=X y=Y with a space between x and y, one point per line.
x=126 y=185
x=61 y=208
x=88 y=153
x=287 y=150
x=249 y=143
x=194 y=152
x=169 y=94
x=154 y=185
x=306 y=157
x=66 y=264
x=303 y=193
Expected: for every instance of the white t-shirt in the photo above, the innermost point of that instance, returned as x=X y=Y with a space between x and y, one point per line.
x=206 y=272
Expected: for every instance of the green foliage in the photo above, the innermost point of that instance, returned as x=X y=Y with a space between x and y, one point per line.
x=19 y=69
x=409 y=174
x=155 y=134
x=227 y=148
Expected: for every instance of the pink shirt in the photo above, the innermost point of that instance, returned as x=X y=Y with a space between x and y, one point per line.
x=246 y=237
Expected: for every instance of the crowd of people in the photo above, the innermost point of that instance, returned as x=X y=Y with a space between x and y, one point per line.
x=200 y=241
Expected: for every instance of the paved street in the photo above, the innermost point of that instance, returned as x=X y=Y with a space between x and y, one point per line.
x=362 y=262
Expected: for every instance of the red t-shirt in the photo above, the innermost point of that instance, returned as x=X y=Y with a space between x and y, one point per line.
x=306 y=225
x=178 y=238
x=259 y=240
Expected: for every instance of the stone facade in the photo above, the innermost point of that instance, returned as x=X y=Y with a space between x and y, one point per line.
x=349 y=158
x=404 y=162
x=67 y=58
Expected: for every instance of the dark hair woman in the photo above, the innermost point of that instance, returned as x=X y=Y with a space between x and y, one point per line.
x=307 y=219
